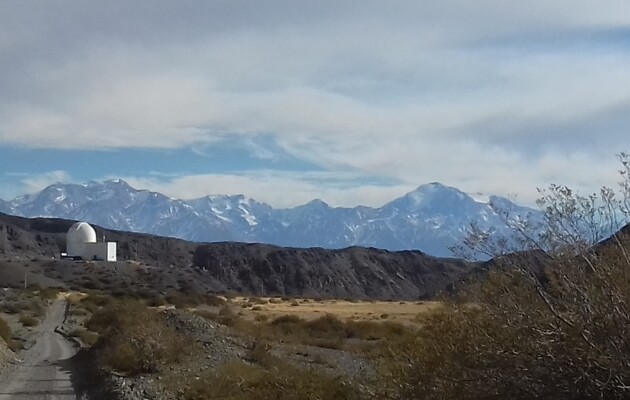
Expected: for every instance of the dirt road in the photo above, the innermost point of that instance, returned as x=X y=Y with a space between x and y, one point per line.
x=44 y=372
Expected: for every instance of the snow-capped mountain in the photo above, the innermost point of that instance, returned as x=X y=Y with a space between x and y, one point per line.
x=431 y=218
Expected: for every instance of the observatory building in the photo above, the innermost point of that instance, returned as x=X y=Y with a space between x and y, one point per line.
x=81 y=243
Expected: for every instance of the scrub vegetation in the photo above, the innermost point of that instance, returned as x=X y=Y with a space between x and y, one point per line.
x=549 y=321
x=135 y=339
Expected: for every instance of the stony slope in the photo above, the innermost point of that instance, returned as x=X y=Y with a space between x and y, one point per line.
x=161 y=264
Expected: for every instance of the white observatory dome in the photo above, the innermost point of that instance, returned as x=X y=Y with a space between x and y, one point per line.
x=79 y=234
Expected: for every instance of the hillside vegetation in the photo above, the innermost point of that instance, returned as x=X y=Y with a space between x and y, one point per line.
x=551 y=321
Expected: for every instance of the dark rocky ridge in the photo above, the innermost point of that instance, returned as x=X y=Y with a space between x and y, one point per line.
x=352 y=272
x=162 y=264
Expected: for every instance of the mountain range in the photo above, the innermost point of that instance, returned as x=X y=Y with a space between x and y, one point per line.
x=431 y=218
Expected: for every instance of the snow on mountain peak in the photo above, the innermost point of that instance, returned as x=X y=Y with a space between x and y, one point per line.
x=431 y=218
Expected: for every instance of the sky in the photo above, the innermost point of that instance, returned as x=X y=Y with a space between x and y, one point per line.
x=352 y=102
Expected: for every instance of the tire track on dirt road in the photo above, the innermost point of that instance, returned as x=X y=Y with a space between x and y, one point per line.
x=42 y=374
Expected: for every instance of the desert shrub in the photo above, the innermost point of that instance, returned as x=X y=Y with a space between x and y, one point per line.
x=5 y=331
x=156 y=301
x=239 y=381
x=49 y=293
x=105 y=280
x=259 y=353
x=89 y=306
x=213 y=300
x=287 y=324
x=327 y=331
x=261 y=318
x=28 y=320
x=550 y=321
x=87 y=337
x=98 y=299
x=94 y=302
x=11 y=308
x=182 y=301
x=143 y=293
x=25 y=303
x=74 y=299
x=327 y=325
x=257 y=300
x=91 y=283
x=135 y=339
x=225 y=316
x=375 y=330
x=209 y=315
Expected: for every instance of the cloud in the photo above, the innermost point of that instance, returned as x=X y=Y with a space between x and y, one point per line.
x=277 y=189
x=32 y=183
x=499 y=95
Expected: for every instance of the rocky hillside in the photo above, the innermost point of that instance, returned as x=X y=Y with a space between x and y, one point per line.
x=159 y=264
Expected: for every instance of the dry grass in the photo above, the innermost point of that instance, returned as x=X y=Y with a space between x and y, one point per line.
x=73 y=298
x=310 y=309
x=240 y=381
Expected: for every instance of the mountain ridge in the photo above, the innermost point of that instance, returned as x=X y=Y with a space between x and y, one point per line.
x=431 y=218
x=150 y=266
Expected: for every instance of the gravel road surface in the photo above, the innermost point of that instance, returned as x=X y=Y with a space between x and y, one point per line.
x=43 y=373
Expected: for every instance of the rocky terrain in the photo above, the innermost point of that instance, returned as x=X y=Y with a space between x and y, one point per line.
x=152 y=265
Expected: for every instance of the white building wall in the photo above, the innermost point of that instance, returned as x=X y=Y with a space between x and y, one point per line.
x=102 y=251
x=75 y=248
x=111 y=251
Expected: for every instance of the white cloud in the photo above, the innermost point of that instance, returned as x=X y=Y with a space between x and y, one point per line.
x=489 y=95
x=36 y=182
x=277 y=189
x=507 y=174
